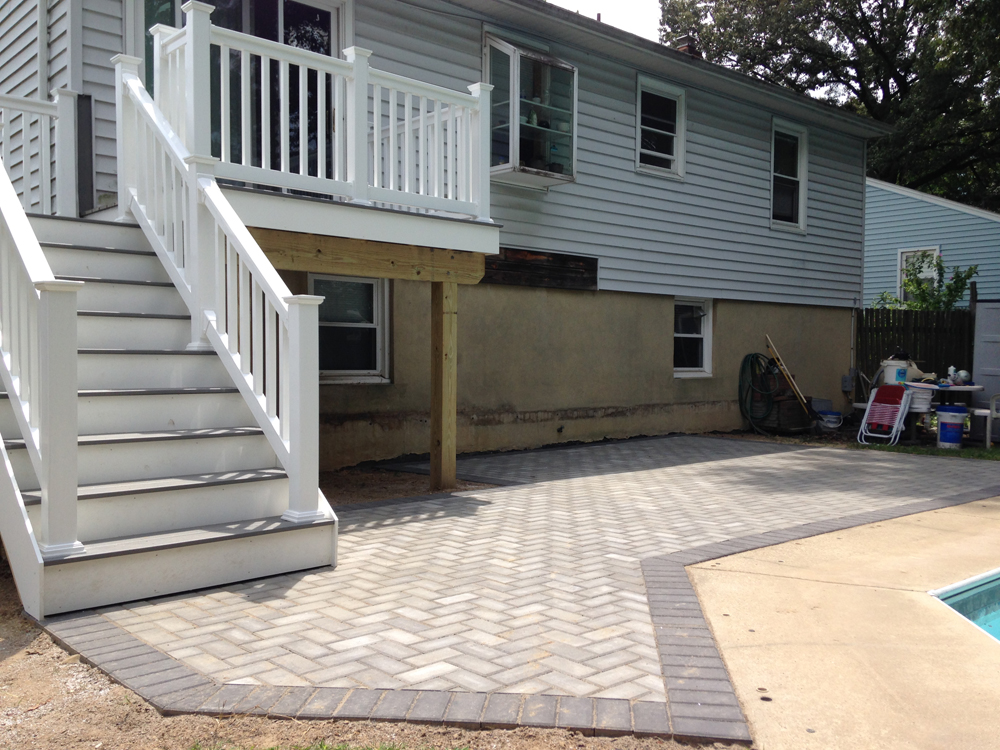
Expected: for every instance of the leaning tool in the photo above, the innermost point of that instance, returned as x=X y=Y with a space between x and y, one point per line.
x=788 y=375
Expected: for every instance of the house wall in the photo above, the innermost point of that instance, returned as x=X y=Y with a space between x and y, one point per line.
x=708 y=235
x=895 y=222
x=542 y=366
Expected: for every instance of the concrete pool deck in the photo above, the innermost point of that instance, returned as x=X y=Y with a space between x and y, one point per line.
x=839 y=632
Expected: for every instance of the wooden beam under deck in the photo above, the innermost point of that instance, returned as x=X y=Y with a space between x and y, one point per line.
x=343 y=256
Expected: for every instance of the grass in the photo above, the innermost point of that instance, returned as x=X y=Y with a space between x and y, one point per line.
x=993 y=454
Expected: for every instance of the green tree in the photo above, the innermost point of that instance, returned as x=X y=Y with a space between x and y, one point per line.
x=934 y=293
x=929 y=68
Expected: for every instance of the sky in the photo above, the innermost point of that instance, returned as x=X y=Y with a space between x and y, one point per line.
x=641 y=17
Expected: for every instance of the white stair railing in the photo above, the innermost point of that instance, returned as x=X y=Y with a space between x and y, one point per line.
x=27 y=127
x=300 y=120
x=266 y=337
x=38 y=367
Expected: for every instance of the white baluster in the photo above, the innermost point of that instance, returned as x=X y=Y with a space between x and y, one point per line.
x=246 y=150
x=265 y=112
x=303 y=120
x=283 y=93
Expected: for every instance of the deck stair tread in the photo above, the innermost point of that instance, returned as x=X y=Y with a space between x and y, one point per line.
x=190 y=390
x=154 y=436
x=147 y=315
x=105 y=280
x=152 y=352
x=184 y=538
x=165 y=484
x=96 y=248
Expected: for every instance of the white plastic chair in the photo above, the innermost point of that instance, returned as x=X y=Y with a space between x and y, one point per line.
x=992 y=413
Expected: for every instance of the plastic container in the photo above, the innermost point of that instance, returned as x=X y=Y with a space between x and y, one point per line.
x=830 y=420
x=920 y=401
x=894 y=371
x=951 y=425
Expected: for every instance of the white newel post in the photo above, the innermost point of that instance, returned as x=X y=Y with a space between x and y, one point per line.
x=198 y=82
x=481 y=140
x=124 y=118
x=303 y=409
x=67 y=185
x=357 y=124
x=199 y=251
x=56 y=402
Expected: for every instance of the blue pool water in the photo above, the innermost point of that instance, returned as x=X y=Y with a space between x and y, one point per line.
x=979 y=602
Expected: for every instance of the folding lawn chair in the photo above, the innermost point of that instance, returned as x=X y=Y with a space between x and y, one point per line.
x=885 y=414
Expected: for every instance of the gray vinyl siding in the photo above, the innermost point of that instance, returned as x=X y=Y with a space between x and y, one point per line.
x=59 y=45
x=895 y=222
x=19 y=48
x=102 y=40
x=706 y=236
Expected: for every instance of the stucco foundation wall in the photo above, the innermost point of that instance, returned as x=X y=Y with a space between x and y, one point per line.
x=542 y=366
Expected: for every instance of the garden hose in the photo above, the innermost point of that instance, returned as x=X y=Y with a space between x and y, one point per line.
x=758 y=385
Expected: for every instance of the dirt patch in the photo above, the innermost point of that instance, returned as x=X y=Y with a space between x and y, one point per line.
x=363 y=485
x=49 y=699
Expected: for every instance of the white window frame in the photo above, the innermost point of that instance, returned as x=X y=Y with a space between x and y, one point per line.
x=381 y=308
x=705 y=371
x=936 y=249
x=800 y=132
x=655 y=86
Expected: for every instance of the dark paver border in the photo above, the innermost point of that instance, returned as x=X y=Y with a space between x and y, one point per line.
x=701 y=701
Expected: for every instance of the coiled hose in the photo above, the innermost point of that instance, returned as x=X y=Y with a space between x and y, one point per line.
x=758 y=385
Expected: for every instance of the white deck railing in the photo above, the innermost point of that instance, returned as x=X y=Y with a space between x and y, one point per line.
x=266 y=337
x=32 y=159
x=294 y=119
x=38 y=346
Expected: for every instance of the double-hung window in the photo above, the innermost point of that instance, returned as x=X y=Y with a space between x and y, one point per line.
x=789 y=176
x=692 y=338
x=927 y=274
x=353 y=328
x=660 y=128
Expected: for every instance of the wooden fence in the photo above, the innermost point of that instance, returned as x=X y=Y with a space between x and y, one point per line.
x=934 y=340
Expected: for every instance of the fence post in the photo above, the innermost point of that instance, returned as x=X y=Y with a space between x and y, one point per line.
x=67 y=184
x=303 y=409
x=197 y=77
x=357 y=124
x=124 y=65
x=56 y=402
x=481 y=140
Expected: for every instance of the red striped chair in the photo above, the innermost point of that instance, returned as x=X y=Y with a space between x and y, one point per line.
x=885 y=414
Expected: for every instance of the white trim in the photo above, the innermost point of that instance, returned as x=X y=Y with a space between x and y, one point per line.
x=936 y=249
x=937 y=201
x=656 y=86
x=708 y=325
x=380 y=375
x=801 y=132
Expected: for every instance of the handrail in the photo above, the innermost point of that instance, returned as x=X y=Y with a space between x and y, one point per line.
x=24 y=104
x=419 y=88
x=38 y=368
x=236 y=40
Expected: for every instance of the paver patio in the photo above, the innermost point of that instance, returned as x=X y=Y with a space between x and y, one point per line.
x=529 y=588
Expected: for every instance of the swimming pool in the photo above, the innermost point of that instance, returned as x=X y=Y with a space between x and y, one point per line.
x=977 y=599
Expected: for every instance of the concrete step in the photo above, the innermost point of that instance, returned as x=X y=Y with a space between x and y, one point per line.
x=123 y=457
x=141 y=567
x=101 y=262
x=118 y=509
x=120 y=236
x=138 y=368
x=125 y=295
x=112 y=330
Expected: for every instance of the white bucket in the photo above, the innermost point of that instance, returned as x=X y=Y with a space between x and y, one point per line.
x=951 y=425
x=920 y=400
x=830 y=420
x=894 y=371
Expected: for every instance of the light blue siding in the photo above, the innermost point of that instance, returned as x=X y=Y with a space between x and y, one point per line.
x=708 y=235
x=897 y=221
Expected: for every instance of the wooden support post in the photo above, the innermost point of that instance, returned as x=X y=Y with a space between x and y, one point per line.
x=444 y=383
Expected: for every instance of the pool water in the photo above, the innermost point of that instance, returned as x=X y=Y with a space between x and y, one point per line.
x=980 y=602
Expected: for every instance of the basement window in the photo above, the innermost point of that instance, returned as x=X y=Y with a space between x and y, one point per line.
x=692 y=338
x=533 y=118
x=353 y=329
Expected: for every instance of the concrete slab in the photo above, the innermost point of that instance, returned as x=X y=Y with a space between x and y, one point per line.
x=839 y=634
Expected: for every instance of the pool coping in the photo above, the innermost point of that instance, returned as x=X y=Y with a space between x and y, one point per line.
x=701 y=703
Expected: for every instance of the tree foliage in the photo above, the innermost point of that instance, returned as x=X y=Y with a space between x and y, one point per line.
x=935 y=293
x=929 y=68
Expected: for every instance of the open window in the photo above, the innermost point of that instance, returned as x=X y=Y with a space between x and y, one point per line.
x=533 y=122
x=789 y=176
x=692 y=338
x=353 y=329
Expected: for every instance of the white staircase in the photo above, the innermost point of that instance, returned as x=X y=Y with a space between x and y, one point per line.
x=179 y=487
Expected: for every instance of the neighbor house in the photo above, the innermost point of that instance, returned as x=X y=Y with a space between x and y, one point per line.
x=320 y=190
x=901 y=223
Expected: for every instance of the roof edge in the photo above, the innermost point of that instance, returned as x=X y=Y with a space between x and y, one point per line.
x=982 y=213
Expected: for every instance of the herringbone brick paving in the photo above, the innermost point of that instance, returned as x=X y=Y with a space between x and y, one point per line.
x=533 y=588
